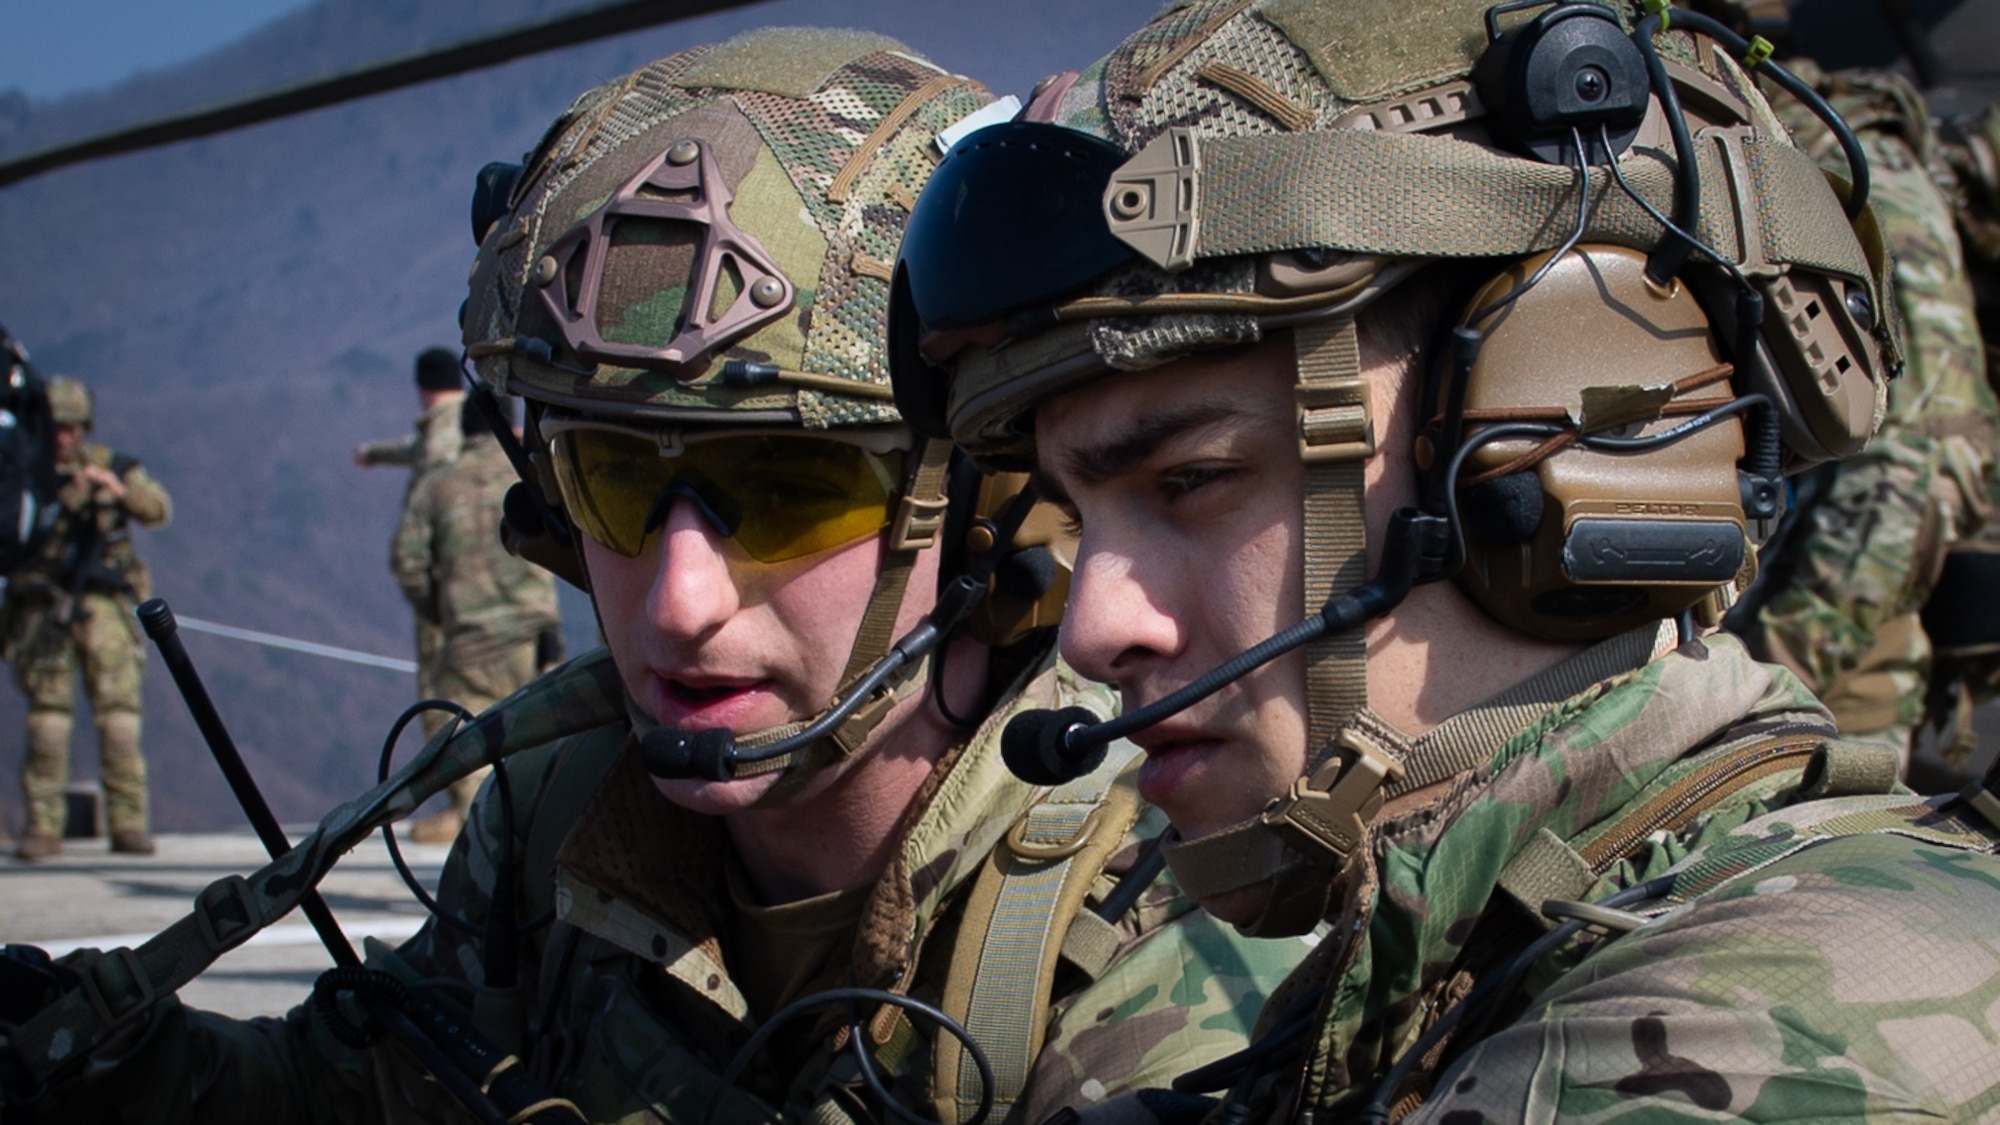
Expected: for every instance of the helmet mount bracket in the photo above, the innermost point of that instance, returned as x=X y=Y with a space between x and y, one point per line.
x=682 y=185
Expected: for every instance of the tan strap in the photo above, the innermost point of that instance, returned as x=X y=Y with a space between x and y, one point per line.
x=1545 y=868
x=920 y=514
x=1016 y=926
x=1090 y=943
x=843 y=180
x=1432 y=196
x=1336 y=437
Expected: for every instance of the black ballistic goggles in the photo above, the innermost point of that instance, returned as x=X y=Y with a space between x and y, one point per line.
x=1013 y=218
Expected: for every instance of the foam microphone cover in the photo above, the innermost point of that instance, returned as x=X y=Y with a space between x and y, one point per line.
x=682 y=754
x=1035 y=749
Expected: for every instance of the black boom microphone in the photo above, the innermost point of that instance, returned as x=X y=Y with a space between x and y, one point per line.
x=1055 y=747
x=712 y=754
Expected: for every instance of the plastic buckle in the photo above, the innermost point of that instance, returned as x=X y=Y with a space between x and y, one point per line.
x=917 y=523
x=225 y=934
x=1336 y=421
x=1149 y=203
x=1331 y=809
x=95 y=985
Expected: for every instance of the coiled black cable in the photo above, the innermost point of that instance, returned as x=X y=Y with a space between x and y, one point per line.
x=357 y=979
x=505 y=793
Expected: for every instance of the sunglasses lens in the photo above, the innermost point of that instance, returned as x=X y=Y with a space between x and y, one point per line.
x=786 y=497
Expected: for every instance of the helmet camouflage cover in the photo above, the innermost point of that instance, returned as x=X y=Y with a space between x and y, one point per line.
x=709 y=238
x=1293 y=159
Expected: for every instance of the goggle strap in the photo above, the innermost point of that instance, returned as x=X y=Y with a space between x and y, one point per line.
x=1336 y=438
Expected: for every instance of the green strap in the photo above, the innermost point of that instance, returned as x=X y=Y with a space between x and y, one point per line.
x=121 y=985
x=1543 y=869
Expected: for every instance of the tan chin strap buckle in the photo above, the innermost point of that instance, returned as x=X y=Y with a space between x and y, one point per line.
x=1330 y=810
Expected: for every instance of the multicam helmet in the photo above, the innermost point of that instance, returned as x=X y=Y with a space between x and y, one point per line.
x=707 y=243
x=1236 y=167
x=69 y=401
x=709 y=238
x=1656 y=264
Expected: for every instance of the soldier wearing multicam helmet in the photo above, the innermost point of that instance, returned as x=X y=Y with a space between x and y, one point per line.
x=1301 y=308
x=783 y=777
x=69 y=609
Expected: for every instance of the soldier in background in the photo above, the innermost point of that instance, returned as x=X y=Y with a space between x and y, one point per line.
x=71 y=608
x=433 y=442
x=435 y=439
x=489 y=608
x=1841 y=602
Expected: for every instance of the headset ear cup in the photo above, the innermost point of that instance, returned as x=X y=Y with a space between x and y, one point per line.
x=1584 y=543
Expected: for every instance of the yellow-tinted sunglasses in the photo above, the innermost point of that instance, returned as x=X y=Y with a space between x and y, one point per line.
x=779 y=495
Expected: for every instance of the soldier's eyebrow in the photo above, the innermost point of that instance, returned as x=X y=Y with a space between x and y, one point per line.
x=1128 y=446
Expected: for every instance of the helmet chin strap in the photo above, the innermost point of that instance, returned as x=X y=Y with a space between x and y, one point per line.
x=1297 y=848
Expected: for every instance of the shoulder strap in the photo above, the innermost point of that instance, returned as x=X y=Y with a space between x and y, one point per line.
x=1018 y=923
x=1551 y=867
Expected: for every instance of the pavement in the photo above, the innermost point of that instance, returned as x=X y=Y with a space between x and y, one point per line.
x=89 y=898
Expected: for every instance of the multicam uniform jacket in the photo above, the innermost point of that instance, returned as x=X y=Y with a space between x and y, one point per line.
x=434 y=442
x=629 y=1003
x=1841 y=966
x=448 y=558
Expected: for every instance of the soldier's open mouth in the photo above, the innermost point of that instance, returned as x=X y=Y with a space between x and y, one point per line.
x=704 y=693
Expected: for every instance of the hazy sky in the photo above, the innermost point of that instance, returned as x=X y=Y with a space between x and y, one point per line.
x=57 y=47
